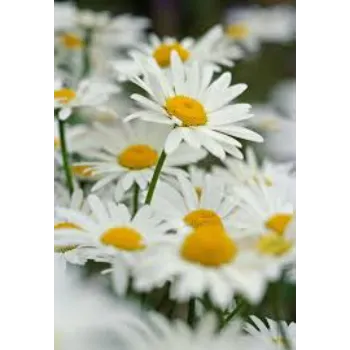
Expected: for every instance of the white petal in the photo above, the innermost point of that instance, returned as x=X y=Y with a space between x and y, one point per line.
x=173 y=140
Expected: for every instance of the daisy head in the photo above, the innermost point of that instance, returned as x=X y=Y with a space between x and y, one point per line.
x=210 y=50
x=129 y=152
x=254 y=25
x=109 y=234
x=186 y=206
x=267 y=336
x=206 y=260
x=88 y=93
x=200 y=111
x=76 y=202
x=266 y=221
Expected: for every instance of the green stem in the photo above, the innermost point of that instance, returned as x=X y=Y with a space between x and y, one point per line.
x=277 y=310
x=191 y=312
x=136 y=198
x=155 y=177
x=86 y=53
x=64 y=153
x=241 y=306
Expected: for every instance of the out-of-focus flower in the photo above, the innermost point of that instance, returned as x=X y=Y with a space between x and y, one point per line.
x=277 y=123
x=89 y=93
x=270 y=338
x=209 y=50
x=254 y=25
x=199 y=110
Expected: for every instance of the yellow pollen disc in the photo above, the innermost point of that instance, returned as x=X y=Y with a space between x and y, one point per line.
x=209 y=246
x=279 y=341
x=66 y=225
x=57 y=143
x=188 y=110
x=123 y=238
x=199 y=192
x=82 y=170
x=238 y=31
x=162 y=53
x=273 y=244
x=65 y=95
x=65 y=249
x=138 y=157
x=202 y=217
x=278 y=222
x=71 y=41
x=267 y=180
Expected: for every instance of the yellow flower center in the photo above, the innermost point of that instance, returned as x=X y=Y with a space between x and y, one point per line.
x=199 y=191
x=124 y=238
x=278 y=222
x=64 y=249
x=138 y=157
x=273 y=244
x=57 y=143
x=65 y=95
x=279 y=340
x=188 y=110
x=82 y=170
x=162 y=53
x=66 y=225
x=209 y=246
x=238 y=31
x=72 y=41
x=202 y=217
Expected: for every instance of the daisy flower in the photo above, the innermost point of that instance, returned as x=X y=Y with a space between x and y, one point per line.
x=69 y=252
x=266 y=222
x=110 y=234
x=130 y=153
x=164 y=334
x=189 y=206
x=280 y=145
x=204 y=261
x=209 y=50
x=264 y=337
x=89 y=93
x=238 y=172
x=87 y=317
x=199 y=110
x=251 y=26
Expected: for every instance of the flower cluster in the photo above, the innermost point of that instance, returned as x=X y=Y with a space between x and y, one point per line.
x=163 y=191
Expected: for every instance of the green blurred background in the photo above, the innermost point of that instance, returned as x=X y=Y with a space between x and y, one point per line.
x=193 y=17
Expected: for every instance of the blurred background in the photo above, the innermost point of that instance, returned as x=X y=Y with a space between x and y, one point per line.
x=261 y=71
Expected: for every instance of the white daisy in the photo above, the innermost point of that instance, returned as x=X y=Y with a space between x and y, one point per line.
x=281 y=145
x=191 y=207
x=264 y=337
x=89 y=93
x=88 y=318
x=110 y=234
x=163 y=334
x=266 y=223
x=254 y=25
x=209 y=50
x=199 y=110
x=77 y=202
x=129 y=154
x=238 y=172
x=204 y=261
